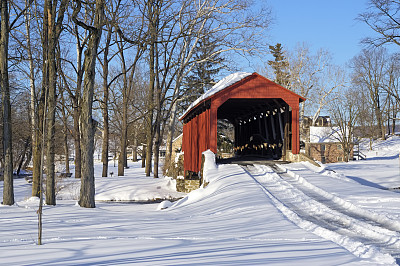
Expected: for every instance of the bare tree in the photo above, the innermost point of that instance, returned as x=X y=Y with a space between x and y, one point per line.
x=116 y=19
x=392 y=87
x=88 y=125
x=382 y=17
x=5 y=29
x=128 y=74
x=104 y=102
x=35 y=111
x=64 y=118
x=152 y=12
x=328 y=89
x=76 y=93
x=306 y=71
x=369 y=72
x=120 y=17
x=8 y=187
x=344 y=112
x=52 y=27
x=21 y=138
x=104 y=107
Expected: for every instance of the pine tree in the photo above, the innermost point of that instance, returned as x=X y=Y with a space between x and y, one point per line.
x=279 y=65
x=202 y=76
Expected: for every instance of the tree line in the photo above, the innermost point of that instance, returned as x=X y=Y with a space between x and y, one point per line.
x=361 y=98
x=108 y=74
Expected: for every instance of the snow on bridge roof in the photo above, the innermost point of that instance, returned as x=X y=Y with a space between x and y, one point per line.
x=222 y=84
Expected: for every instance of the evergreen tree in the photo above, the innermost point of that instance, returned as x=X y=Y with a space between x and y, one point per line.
x=280 y=65
x=202 y=76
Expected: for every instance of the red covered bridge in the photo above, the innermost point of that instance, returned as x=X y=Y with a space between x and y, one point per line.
x=264 y=114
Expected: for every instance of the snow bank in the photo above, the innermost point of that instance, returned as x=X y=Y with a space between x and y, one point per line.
x=381 y=148
x=148 y=189
x=210 y=165
x=164 y=205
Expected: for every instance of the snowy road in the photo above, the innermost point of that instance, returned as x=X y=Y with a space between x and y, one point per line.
x=360 y=231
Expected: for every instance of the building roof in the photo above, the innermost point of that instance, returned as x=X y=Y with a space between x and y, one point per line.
x=324 y=134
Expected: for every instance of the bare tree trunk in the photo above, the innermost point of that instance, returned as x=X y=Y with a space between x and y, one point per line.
x=37 y=148
x=394 y=120
x=104 y=107
x=45 y=81
x=105 y=139
x=171 y=131
x=301 y=118
x=171 y=127
x=64 y=117
x=149 y=126
x=150 y=106
x=157 y=124
x=379 y=118
x=29 y=156
x=40 y=210
x=77 y=140
x=51 y=115
x=157 y=144
x=22 y=159
x=66 y=150
x=144 y=156
x=134 y=148
x=8 y=186
x=124 y=125
x=77 y=107
x=87 y=123
x=65 y=131
x=51 y=31
x=126 y=157
x=35 y=111
x=123 y=140
x=153 y=15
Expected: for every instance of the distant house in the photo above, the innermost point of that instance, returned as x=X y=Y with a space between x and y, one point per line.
x=322 y=121
x=306 y=123
x=324 y=145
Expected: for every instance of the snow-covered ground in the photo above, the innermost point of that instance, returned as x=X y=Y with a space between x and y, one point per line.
x=245 y=216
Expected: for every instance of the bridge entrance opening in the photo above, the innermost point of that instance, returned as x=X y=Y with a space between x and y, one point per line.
x=261 y=127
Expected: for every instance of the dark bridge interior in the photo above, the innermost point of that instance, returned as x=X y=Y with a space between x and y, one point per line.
x=262 y=127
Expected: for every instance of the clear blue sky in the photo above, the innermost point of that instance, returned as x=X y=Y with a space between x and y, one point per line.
x=329 y=24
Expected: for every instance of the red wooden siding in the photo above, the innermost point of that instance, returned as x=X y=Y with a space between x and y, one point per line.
x=196 y=140
x=200 y=133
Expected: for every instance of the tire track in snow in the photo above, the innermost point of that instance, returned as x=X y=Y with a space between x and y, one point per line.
x=313 y=213
x=335 y=202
